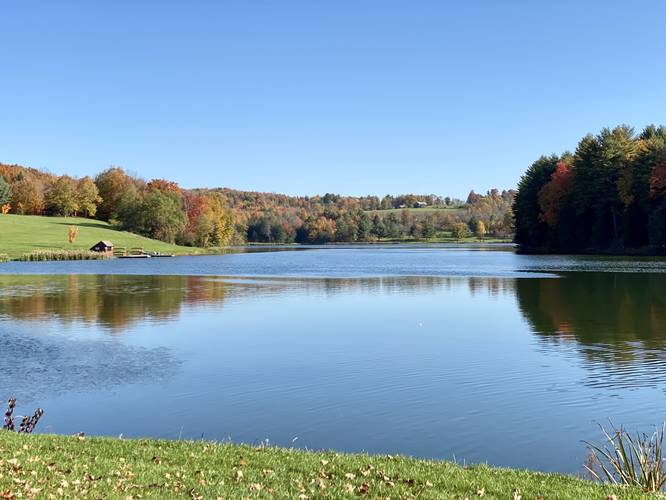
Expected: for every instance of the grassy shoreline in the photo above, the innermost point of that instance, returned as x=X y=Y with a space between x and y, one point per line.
x=23 y=234
x=39 y=465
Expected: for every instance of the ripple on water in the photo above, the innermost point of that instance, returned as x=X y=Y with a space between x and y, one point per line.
x=32 y=368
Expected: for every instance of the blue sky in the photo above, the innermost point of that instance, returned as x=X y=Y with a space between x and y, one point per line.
x=304 y=97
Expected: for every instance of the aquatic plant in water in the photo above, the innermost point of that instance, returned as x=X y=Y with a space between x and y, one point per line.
x=634 y=461
x=56 y=254
x=28 y=423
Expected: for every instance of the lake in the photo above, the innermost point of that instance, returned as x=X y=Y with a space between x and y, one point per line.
x=472 y=353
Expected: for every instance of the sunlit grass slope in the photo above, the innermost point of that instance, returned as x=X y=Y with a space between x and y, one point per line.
x=71 y=467
x=20 y=234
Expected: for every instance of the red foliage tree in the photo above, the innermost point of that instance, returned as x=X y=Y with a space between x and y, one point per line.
x=658 y=180
x=553 y=193
x=164 y=185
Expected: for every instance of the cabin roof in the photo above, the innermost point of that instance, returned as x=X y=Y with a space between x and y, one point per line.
x=106 y=243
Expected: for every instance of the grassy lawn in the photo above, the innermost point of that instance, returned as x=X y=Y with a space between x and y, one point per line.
x=20 y=234
x=71 y=467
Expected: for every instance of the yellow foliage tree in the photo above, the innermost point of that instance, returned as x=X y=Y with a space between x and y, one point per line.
x=73 y=233
x=480 y=229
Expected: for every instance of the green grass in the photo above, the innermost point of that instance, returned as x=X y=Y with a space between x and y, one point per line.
x=72 y=467
x=21 y=234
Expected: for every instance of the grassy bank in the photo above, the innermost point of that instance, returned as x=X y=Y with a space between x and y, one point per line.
x=20 y=234
x=102 y=468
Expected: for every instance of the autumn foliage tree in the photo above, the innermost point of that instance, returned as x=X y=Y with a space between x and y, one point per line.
x=608 y=195
x=61 y=196
x=87 y=197
x=111 y=186
x=27 y=196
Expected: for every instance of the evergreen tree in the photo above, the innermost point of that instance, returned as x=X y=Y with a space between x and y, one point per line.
x=5 y=192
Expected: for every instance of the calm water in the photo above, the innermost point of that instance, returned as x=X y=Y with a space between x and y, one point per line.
x=467 y=352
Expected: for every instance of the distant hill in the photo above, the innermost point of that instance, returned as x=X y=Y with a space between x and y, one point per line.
x=217 y=217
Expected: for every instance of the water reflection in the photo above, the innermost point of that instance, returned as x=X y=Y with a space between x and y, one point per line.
x=591 y=309
x=428 y=366
x=118 y=301
x=617 y=321
x=113 y=301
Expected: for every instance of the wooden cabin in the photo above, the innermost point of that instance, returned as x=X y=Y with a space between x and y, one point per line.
x=103 y=246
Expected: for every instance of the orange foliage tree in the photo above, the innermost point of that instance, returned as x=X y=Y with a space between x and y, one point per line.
x=554 y=192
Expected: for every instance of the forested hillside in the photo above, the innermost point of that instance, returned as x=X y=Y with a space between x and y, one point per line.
x=610 y=195
x=163 y=210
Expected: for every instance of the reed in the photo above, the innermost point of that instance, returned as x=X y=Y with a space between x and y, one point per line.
x=28 y=423
x=4 y=257
x=56 y=254
x=631 y=460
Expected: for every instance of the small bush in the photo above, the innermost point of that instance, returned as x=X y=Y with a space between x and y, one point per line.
x=4 y=257
x=73 y=233
x=460 y=230
x=44 y=255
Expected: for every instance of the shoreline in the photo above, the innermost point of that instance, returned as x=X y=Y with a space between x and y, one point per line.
x=35 y=465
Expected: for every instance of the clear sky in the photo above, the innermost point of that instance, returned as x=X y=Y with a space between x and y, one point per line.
x=304 y=97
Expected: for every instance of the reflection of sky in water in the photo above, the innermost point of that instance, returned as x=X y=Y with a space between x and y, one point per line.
x=429 y=366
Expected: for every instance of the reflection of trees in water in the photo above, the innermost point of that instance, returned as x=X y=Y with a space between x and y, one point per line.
x=111 y=300
x=617 y=321
x=116 y=301
x=624 y=311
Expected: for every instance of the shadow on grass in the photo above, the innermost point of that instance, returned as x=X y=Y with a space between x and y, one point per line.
x=96 y=225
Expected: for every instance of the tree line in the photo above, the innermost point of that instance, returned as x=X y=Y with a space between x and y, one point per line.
x=609 y=195
x=163 y=210
x=272 y=218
